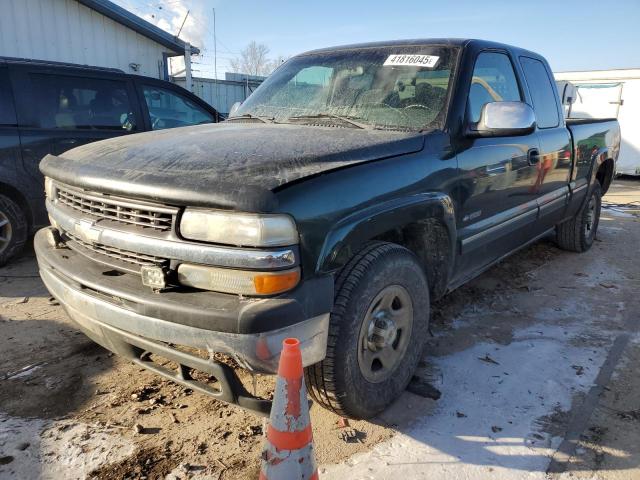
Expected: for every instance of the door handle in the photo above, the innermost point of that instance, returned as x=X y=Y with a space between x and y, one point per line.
x=68 y=141
x=533 y=156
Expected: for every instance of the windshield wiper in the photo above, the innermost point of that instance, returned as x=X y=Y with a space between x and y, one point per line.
x=248 y=116
x=331 y=116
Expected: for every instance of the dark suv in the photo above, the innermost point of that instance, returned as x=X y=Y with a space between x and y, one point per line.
x=48 y=107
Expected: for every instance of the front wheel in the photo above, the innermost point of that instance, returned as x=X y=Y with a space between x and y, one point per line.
x=13 y=229
x=579 y=233
x=376 y=334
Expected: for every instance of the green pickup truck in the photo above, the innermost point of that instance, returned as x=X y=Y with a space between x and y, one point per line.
x=354 y=186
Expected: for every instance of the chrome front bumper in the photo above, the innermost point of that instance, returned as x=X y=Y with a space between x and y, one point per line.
x=101 y=315
x=256 y=352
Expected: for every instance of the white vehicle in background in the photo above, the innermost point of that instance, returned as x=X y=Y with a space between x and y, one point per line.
x=607 y=94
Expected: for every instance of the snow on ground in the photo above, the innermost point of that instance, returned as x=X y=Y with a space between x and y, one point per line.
x=491 y=417
x=65 y=449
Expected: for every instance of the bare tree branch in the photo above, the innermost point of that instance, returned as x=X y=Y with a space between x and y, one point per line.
x=254 y=60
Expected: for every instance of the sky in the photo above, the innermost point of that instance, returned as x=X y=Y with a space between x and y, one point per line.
x=572 y=35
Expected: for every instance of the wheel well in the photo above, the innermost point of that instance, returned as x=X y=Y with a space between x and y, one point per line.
x=429 y=241
x=15 y=195
x=604 y=174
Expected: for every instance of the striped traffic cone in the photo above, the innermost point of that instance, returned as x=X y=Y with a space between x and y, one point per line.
x=288 y=449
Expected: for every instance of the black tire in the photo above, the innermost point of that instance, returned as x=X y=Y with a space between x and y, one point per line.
x=13 y=229
x=380 y=270
x=579 y=233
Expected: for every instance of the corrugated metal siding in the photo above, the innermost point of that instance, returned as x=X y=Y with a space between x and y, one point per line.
x=66 y=31
x=222 y=94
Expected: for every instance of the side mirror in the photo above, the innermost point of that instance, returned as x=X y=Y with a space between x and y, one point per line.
x=128 y=122
x=504 y=119
x=567 y=91
x=234 y=108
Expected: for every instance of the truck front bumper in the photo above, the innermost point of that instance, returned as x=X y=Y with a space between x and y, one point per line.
x=117 y=312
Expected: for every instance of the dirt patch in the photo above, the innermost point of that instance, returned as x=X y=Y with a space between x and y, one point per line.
x=630 y=415
x=555 y=424
x=207 y=435
x=146 y=463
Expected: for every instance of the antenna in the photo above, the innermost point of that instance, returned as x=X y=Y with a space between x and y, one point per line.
x=183 y=22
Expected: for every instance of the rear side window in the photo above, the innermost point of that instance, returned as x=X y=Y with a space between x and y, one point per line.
x=169 y=109
x=541 y=88
x=493 y=81
x=7 y=110
x=69 y=102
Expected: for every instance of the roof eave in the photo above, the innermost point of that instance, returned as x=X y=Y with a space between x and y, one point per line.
x=147 y=29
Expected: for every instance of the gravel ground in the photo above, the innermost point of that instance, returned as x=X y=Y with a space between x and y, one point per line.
x=535 y=361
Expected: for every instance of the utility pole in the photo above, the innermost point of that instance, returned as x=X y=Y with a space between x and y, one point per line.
x=187 y=56
x=215 y=59
x=187 y=66
x=215 y=46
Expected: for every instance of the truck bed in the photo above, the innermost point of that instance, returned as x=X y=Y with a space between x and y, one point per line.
x=590 y=137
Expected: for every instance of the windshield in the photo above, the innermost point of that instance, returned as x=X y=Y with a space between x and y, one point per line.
x=402 y=87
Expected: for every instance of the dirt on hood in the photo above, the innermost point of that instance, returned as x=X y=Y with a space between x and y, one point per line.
x=228 y=165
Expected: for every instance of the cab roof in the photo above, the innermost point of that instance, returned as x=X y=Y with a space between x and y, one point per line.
x=453 y=42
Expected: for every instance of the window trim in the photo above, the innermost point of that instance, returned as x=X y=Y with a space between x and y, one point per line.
x=521 y=91
x=554 y=90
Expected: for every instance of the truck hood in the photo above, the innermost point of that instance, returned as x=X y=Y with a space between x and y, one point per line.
x=226 y=165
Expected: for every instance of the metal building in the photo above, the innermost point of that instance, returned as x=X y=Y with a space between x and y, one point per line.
x=87 y=32
x=222 y=94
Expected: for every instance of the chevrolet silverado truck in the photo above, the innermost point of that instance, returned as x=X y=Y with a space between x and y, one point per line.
x=354 y=186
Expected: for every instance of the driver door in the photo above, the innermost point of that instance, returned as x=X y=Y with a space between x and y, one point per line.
x=497 y=196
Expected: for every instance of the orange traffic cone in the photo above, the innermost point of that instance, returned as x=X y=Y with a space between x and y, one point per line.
x=288 y=449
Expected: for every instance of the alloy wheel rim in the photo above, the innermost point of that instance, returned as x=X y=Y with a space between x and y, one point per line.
x=5 y=232
x=385 y=333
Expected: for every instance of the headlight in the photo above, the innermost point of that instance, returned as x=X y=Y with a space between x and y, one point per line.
x=240 y=282
x=48 y=188
x=239 y=229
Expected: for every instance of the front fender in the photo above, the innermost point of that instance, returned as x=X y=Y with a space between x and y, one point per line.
x=348 y=235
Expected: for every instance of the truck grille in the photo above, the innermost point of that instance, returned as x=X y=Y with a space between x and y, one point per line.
x=134 y=258
x=126 y=212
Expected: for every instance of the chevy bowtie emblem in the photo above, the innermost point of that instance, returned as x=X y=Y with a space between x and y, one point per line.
x=86 y=231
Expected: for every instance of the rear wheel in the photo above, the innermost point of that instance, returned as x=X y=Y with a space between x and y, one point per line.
x=377 y=331
x=579 y=233
x=13 y=229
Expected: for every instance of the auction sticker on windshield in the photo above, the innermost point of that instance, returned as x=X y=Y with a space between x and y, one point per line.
x=411 y=61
